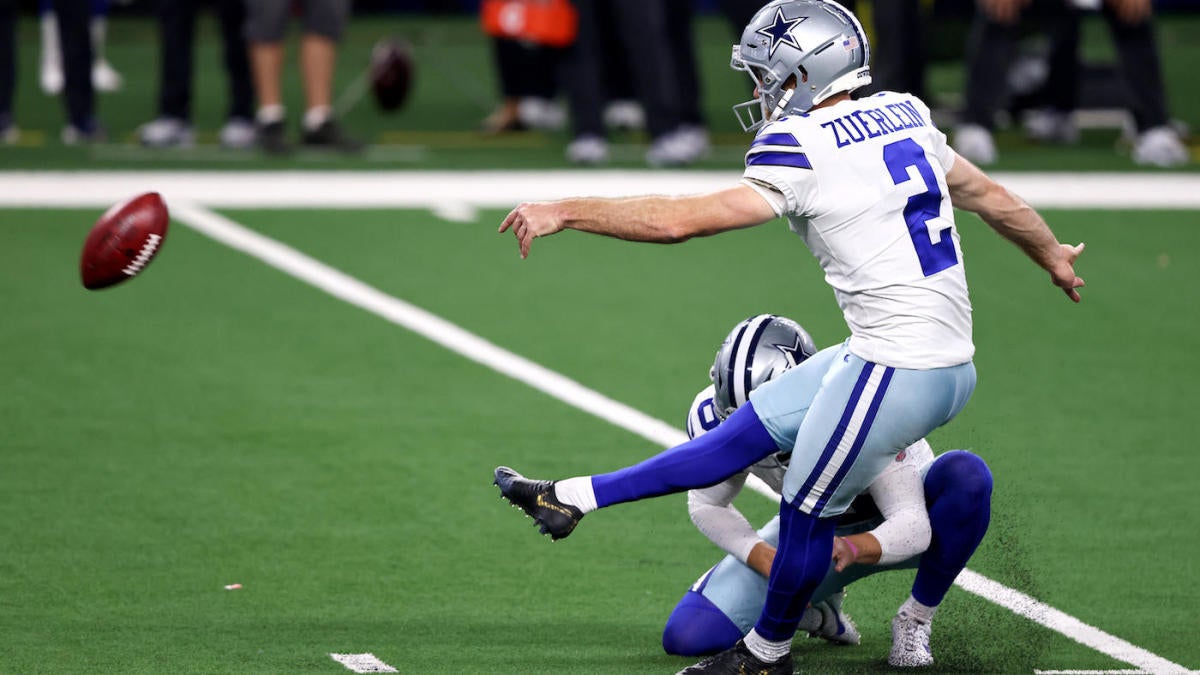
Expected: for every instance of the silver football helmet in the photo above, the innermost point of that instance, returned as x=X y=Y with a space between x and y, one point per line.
x=755 y=351
x=817 y=41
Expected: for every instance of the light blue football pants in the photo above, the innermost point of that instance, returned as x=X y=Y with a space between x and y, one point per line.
x=847 y=418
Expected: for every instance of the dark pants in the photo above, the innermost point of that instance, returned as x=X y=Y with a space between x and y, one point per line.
x=526 y=70
x=8 y=59
x=646 y=33
x=992 y=47
x=177 y=23
x=898 y=55
x=74 y=34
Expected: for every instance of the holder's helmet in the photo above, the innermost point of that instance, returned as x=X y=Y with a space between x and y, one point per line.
x=755 y=351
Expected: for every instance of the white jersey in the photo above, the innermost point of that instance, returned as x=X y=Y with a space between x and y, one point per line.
x=898 y=493
x=864 y=185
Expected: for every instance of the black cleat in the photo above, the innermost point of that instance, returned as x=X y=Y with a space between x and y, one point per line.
x=737 y=660
x=271 y=138
x=536 y=498
x=329 y=136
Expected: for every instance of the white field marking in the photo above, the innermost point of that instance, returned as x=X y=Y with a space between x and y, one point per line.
x=456 y=212
x=363 y=663
x=1090 y=672
x=1101 y=672
x=344 y=287
x=1086 y=635
x=431 y=326
x=504 y=189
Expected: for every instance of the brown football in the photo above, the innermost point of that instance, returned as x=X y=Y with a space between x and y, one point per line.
x=124 y=241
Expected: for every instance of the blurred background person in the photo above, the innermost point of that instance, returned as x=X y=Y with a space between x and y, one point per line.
x=266 y=27
x=655 y=38
x=528 y=41
x=73 y=35
x=104 y=76
x=177 y=27
x=9 y=133
x=991 y=49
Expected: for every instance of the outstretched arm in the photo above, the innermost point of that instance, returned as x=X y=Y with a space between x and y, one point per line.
x=659 y=219
x=1008 y=214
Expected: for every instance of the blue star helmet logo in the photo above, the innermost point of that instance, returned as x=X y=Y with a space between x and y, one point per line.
x=794 y=353
x=780 y=31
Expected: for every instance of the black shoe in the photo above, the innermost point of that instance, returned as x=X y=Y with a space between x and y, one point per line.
x=272 y=138
x=329 y=136
x=737 y=660
x=536 y=498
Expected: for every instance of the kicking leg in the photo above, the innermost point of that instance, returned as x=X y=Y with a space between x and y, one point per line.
x=738 y=442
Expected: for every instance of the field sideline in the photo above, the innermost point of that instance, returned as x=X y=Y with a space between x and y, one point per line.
x=193 y=194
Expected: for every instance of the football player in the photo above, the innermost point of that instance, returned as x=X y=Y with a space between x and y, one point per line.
x=870 y=186
x=885 y=528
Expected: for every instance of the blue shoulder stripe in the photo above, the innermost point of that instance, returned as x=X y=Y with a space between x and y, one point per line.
x=798 y=160
x=776 y=139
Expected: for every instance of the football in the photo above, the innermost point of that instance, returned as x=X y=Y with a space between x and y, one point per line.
x=123 y=241
x=391 y=73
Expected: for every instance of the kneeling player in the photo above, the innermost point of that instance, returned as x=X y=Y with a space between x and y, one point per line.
x=886 y=528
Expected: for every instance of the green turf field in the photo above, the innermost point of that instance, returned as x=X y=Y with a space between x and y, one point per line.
x=217 y=421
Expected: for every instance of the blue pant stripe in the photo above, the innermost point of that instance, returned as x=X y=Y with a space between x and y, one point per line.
x=858 y=442
x=838 y=432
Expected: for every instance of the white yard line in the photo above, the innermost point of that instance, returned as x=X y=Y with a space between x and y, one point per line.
x=455 y=338
x=363 y=663
x=454 y=191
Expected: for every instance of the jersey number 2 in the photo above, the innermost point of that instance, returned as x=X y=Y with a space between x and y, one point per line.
x=922 y=207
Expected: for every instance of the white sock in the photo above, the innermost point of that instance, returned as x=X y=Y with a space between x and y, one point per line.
x=577 y=492
x=914 y=609
x=51 y=51
x=766 y=650
x=316 y=116
x=270 y=113
x=99 y=29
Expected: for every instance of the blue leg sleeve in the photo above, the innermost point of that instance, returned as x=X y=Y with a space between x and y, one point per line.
x=738 y=442
x=958 y=493
x=801 y=561
x=697 y=627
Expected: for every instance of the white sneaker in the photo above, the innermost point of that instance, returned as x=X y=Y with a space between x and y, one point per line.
x=542 y=114
x=910 y=642
x=238 y=134
x=1051 y=126
x=836 y=626
x=975 y=143
x=1160 y=146
x=624 y=116
x=682 y=146
x=105 y=77
x=167 y=132
x=587 y=150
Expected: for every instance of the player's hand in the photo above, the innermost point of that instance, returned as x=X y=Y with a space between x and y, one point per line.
x=1003 y=11
x=1062 y=272
x=1131 y=12
x=843 y=555
x=530 y=220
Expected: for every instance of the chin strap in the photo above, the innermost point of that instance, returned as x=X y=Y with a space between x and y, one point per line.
x=782 y=105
